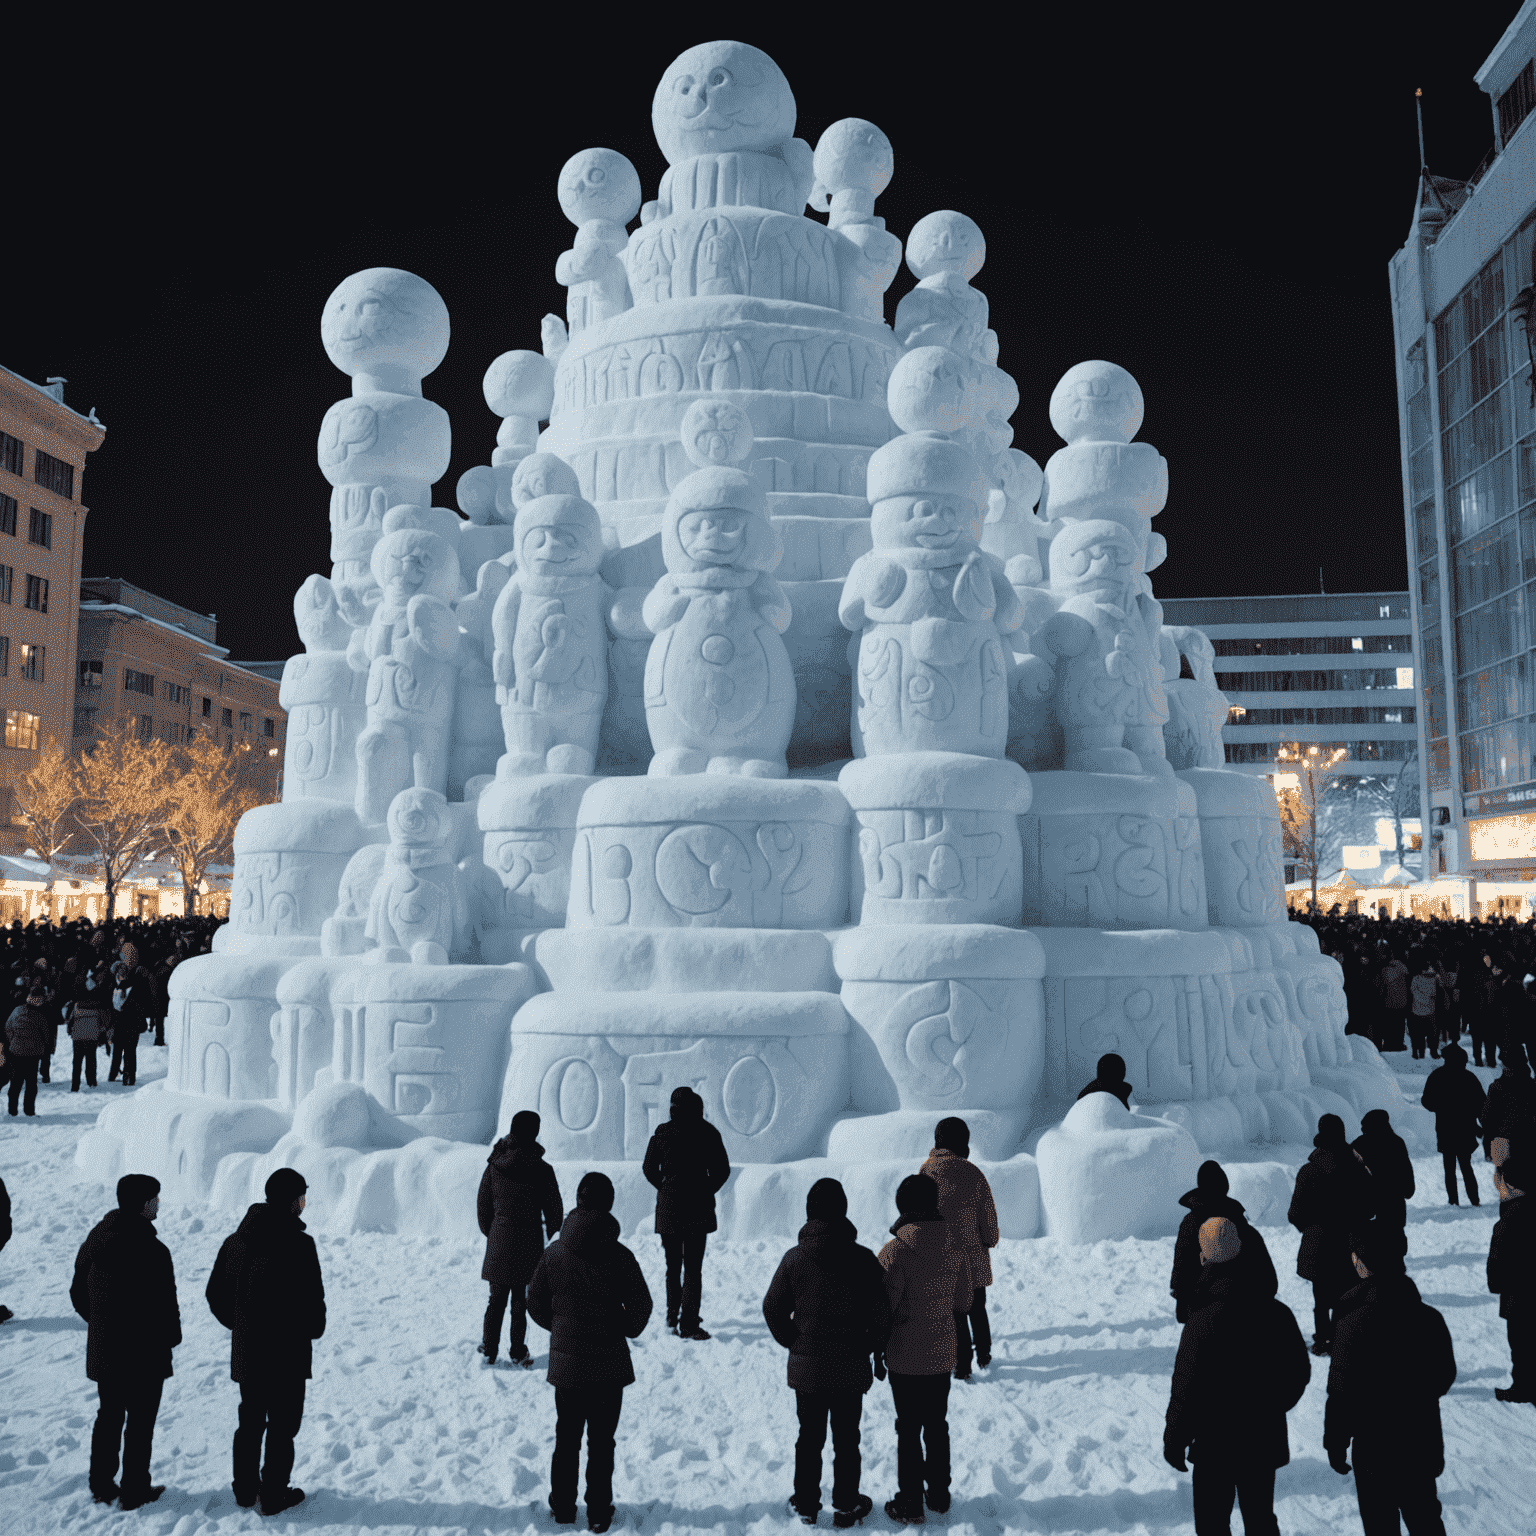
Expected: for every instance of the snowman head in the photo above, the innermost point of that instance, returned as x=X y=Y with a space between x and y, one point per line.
x=558 y=536
x=1093 y=556
x=412 y=561
x=718 y=518
x=599 y=184
x=721 y=96
x=385 y=319
x=418 y=818
x=926 y=493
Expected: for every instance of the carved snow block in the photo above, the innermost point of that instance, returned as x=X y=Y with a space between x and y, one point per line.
x=771 y=1067
x=219 y=1025
x=530 y=832
x=685 y=960
x=1240 y=839
x=710 y=851
x=937 y=838
x=1265 y=1032
x=1196 y=714
x=1120 y=481
x=947 y=1019
x=429 y=1042
x=1108 y=850
x=1314 y=991
x=400 y=442
x=327 y=709
x=303 y=1028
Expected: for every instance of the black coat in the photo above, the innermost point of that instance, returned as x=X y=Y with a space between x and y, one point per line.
x=1512 y=1258
x=1333 y=1194
x=686 y=1163
x=1385 y=1154
x=588 y=1292
x=266 y=1289
x=1242 y=1366
x=26 y=1031
x=125 y=1289
x=1391 y=1364
x=1455 y=1098
x=5 y=1215
x=1121 y=1091
x=1253 y=1263
x=1509 y=1110
x=826 y=1304
x=519 y=1199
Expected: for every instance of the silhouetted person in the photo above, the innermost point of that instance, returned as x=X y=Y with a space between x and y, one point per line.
x=1109 y=1077
x=1251 y=1261
x=827 y=1306
x=267 y=1290
x=1392 y=1363
x=587 y=1290
x=1455 y=1098
x=1512 y=1275
x=686 y=1163
x=970 y=1224
x=26 y=1044
x=1509 y=1110
x=125 y=1289
x=90 y=1022
x=1333 y=1196
x=1385 y=1154
x=1392 y=988
x=519 y=1199
x=5 y=1236
x=1242 y=1366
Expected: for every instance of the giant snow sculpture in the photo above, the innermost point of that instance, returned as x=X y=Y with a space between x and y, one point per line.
x=749 y=731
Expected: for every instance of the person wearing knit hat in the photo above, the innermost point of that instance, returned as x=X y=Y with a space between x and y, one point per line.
x=125 y=1288
x=970 y=1224
x=1208 y=1199
x=1232 y=1422
x=1333 y=1195
x=1512 y=1274
x=266 y=1288
x=827 y=1306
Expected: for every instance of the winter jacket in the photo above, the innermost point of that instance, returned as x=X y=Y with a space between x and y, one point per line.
x=5 y=1215
x=1253 y=1264
x=267 y=1290
x=125 y=1289
x=90 y=1022
x=519 y=1194
x=926 y=1283
x=588 y=1292
x=26 y=1031
x=1391 y=1364
x=1392 y=983
x=1423 y=989
x=686 y=1163
x=1333 y=1194
x=1242 y=1366
x=1385 y=1154
x=138 y=1002
x=969 y=1212
x=826 y=1305
x=1512 y=1258
x=1121 y=1091
x=1455 y=1098
x=1509 y=1109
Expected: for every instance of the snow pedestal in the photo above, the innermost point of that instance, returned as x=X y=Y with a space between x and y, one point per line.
x=1240 y=839
x=530 y=832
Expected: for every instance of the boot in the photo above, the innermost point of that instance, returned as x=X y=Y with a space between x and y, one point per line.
x=854 y=1515
x=904 y=1513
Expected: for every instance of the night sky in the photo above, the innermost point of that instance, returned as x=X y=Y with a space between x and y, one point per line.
x=1212 y=206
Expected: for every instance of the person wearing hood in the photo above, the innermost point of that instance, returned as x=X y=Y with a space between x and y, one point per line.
x=519 y=1202
x=1333 y=1195
x=970 y=1224
x=1392 y=988
x=266 y=1288
x=1455 y=1098
x=1509 y=1110
x=827 y=1306
x=1109 y=1077
x=687 y=1165
x=1251 y=1261
x=1512 y=1276
x=588 y=1292
x=1231 y=1422
x=90 y=1022
x=1392 y=1363
x=1385 y=1156
x=125 y=1288
x=26 y=1043
x=926 y=1283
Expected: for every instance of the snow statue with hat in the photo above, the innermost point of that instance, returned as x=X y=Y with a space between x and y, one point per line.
x=599 y=194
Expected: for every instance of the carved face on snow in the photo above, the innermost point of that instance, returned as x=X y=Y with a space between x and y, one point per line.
x=321 y=626
x=719 y=517
x=715 y=537
x=542 y=474
x=558 y=536
x=716 y=432
x=721 y=96
x=599 y=184
x=924 y=522
x=946 y=241
x=418 y=818
x=1093 y=556
x=384 y=317
x=411 y=561
x=1097 y=402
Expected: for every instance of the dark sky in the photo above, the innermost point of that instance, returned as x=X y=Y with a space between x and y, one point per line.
x=1212 y=206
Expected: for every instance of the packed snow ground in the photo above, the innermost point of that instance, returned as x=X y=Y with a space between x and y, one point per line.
x=406 y=1430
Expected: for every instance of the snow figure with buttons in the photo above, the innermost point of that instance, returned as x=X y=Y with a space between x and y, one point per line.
x=746 y=728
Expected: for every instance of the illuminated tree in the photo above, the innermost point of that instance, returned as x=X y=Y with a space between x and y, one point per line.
x=1301 y=781
x=45 y=798
x=213 y=789
x=125 y=791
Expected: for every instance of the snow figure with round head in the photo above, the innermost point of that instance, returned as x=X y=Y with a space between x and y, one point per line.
x=944 y=252
x=599 y=194
x=719 y=691
x=550 y=628
x=854 y=162
x=417 y=909
x=324 y=699
x=520 y=388
x=410 y=652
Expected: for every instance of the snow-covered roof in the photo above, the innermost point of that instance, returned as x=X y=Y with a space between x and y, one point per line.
x=220 y=651
x=56 y=394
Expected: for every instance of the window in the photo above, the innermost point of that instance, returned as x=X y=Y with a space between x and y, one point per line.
x=174 y=693
x=5 y=656
x=173 y=733
x=146 y=727
x=90 y=674
x=40 y=529
x=7 y=573
x=8 y=510
x=1386 y=610
x=37 y=593
x=138 y=682
x=1357 y=644
x=31 y=667
x=268 y=726
x=21 y=730
x=245 y=719
x=229 y=720
x=1516 y=103
x=85 y=720
x=10 y=453
x=54 y=474
x=207 y=708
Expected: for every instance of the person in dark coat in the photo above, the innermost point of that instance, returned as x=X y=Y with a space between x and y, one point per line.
x=519 y=1201
x=26 y=1043
x=827 y=1306
x=1333 y=1195
x=1392 y=988
x=267 y=1290
x=90 y=1022
x=1488 y=1012
x=686 y=1163
x=132 y=999
x=125 y=1289
x=1209 y=1199
x=1230 y=1418
x=1109 y=1077
x=1512 y=1275
x=1509 y=1110
x=1392 y=1363
x=588 y=1292
x=1385 y=1155
x=1455 y=1098
x=5 y=1236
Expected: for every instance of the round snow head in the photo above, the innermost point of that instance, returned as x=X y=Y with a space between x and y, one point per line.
x=1097 y=402
x=716 y=432
x=558 y=536
x=418 y=818
x=721 y=96
x=521 y=384
x=385 y=318
x=927 y=391
x=719 y=517
x=946 y=241
x=543 y=474
x=476 y=494
x=599 y=184
x=923 y=464
x=854 y=155
x=412 y=560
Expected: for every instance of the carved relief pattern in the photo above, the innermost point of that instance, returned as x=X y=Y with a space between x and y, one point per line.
x=746 y=252
x=938 y=855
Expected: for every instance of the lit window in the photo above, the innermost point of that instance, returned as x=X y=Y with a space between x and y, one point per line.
x=1405 y=677
x=1386 y=610
x=31 y=667
x=21 y=730
x=1357 y=644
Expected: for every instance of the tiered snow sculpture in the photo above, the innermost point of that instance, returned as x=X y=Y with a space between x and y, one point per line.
x=749 y=731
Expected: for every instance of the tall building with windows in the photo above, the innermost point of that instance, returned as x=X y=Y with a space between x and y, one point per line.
x=1462 y=293
x=43 y=444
